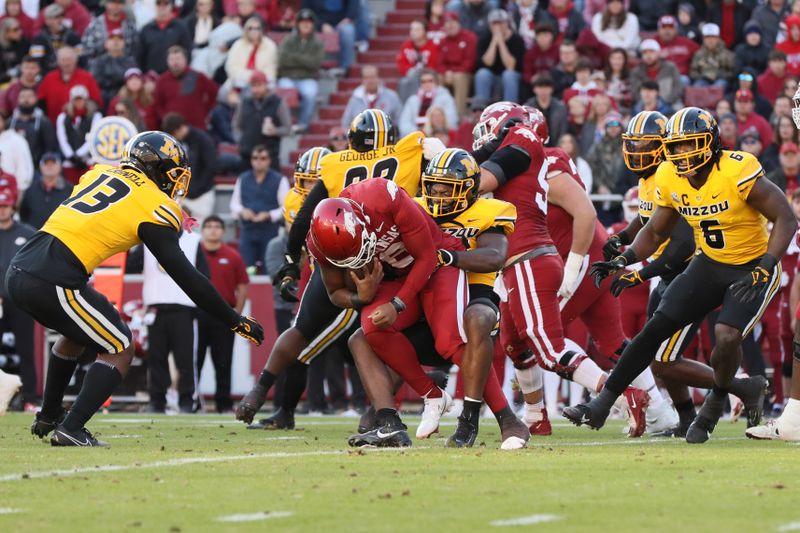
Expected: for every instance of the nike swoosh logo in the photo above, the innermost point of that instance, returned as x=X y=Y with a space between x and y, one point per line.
x=472 y=220
x=584 y=419
x=379 y=228
x=77 y=442
x=633 y=402
x=714 y=196
x=382 y=435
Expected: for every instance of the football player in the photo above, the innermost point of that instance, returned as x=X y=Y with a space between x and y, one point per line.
x=306 y=175
x=373 y=153
x=515 y=168
x=450 y=186
x=722 y=195
x=110 y=210
x=643 y=151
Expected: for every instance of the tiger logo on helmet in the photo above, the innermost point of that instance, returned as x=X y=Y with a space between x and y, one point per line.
x=450 y=183
x=643 y=141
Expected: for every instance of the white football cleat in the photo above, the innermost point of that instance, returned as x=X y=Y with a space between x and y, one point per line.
x=9 y=385
x=774 y=430
x=434 y=409
x=661 y=418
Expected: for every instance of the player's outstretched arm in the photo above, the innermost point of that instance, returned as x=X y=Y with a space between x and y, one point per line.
x=680 y=247
x=657 y=230
x=488 y=256
x=766 y=198
x=614 y=244
x=162 y=241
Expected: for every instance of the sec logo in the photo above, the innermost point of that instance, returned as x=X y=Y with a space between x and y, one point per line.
x=108 y=138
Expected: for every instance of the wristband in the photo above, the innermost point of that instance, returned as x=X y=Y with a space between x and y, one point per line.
x=398 y=304
x=630 y=257
x=356 y=302
x=768 y=263
x=623 y=238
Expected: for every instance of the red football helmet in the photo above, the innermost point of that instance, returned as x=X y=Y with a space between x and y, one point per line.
x=339 y=231
x=536 y=121
x=630 y=204
x=493 y=119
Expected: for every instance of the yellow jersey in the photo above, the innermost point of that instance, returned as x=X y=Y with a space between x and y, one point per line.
x=647 y=194
x=401 y=163
x=292 y=204
x=485 y=214
x=103 y=215
x=726 y=228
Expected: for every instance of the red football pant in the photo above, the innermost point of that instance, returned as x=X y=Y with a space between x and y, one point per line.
x=634 y=309
x=776 y=330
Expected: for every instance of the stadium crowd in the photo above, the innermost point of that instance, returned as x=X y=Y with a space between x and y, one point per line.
x=210 y=73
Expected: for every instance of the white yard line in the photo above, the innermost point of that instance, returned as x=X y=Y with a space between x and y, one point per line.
x=253 y=517
x=526 y=520
x=9 y=510
x=625 y=441
x=791 y=526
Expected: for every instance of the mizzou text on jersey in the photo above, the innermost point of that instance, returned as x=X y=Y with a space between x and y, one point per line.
x=401 y=163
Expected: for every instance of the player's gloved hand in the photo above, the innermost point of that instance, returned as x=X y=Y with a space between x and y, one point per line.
x=250 y=329
x=626 y=281
x=446 y=257
x=431 y=146
x=602 y=269
x=572 y=269
x=286 y=279
x=756 y=281
x=613 y=247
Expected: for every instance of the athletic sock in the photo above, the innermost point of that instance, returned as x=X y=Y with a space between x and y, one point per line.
x=647 y=382
x=529 y=379
x=59 y=373
x=686 y=412
x=101 y=380
x=296 y=377
x=576 y=393
x=552 y=382
x=387 y=416
x=472 y=410
x=267 y=379
x=588 y=374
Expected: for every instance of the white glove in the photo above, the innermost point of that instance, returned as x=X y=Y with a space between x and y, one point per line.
x=431 y=146
x=572 y=269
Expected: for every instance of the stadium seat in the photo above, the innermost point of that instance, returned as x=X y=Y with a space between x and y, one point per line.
x=705 y=97
x=290 y=96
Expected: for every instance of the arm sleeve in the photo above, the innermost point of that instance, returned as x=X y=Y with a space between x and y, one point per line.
x=201 y=263
x=302 y=222
x=674 y=256
x=507 y=162
x=163 y=243
x=413 y=227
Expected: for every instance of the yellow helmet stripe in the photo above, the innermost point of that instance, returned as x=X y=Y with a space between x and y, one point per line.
x=315 y=158
x=380 y=129
x=637 y=128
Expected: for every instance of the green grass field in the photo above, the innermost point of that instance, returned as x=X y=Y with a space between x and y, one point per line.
x=207 y=473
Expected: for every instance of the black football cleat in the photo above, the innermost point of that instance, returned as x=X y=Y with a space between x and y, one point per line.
x=753 y=400
x=282 y=419
x=464 y=436
x=583 y=414
x=251 y=403
x=706 y=420
x=43 y=426
x=82 y=437
x=393 y=434
x=368 y=421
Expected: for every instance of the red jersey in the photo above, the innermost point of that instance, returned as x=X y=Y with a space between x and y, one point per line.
x=559 y=222
x=528 y=193
x=407 y=238
x=227 y=271
x=410 y=56
x=680 y=51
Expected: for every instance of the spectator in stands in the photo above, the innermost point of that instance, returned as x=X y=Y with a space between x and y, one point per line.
x=229 y=277
x=77 y=16
x=649 y=12
x=13 y=48
x=126 y=108
x=723 y=106
x=429 y=95
x=786 y=175
x=771 y=82
x=568 y=143
x=262 y=119
x=254 y=51
x=577 y=111
x=54 y=90
x=257 y=202
x=790 y=86
x=615 y=27
x=688 y=23
x=14 y=10
x=605 y=156
x=527 y=15
x=371 y=94
x=728 y=131
x=744 y=105
x=202 y=157
x=568 y=21
x=783 y=132
x=159 y=36
x=53 y=36
x=769 y=16
x=434 y=19
x=552 y=108
x=183 y=90
x=201 y=22
x=416 y=54
x=618 y=79
x=338 y=17
x=500 y=56
x=713 y=64
x=300 y=58
x=210 y=60
x=101 y=27
x=72 y=129
x=437 y=124
x=109 y=69
x=474 y=16
x=674 y=47
x=564 y=73
x=753 y=52
x=663 y=71
x=650 y=100
x=594 y=127
x=583 y=87
x=337 y=139
x=28 y=78
x=782 y=108
x=134 y=90
x=542 y=55
x=730 y=16
x=220 y=123
x=46 y=192
x=750 y=142
x=30 y=121
x=746 y=80
x=457 y=59
x=791 y=46
x=15 y=156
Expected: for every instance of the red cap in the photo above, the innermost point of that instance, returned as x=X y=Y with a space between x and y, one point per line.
x=744 y=95
x=258 y=77
x=7 y=197
x=117 y=32
x=667 y=20
x=789 y=147
x=451 y=15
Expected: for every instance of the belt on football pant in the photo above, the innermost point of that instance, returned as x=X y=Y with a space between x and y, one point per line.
x=533 y=254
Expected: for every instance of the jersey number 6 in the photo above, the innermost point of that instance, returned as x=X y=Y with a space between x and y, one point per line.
x=714 y=237
x=94 y=199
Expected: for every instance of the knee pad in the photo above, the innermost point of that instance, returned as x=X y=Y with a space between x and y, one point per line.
x=568 y=362
x=524 y=360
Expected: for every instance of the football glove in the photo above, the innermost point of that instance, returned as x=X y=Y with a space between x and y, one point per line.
x=250 y=329
x=446 y=257
x=613 y=247
x=286 y=279
x=602 y=269
x=756 y=281
x=626 y=281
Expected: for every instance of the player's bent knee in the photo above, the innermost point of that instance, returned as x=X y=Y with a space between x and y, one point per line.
x=658 y=368
x=479 y=320
x=727 y=336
